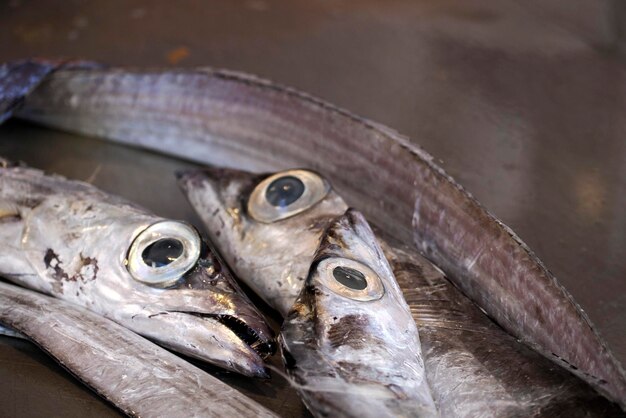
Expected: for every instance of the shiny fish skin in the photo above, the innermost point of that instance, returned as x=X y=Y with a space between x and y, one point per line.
x=355 y=358
x=137 y=376
x=231 y=119
x=473 y=367
x=272 y=259
x=70 y=240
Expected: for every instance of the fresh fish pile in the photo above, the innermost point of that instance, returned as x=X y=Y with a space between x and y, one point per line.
x=155 y=276
x=350 y=326
x=138 y=377
x=473 y=367
x=234 y=120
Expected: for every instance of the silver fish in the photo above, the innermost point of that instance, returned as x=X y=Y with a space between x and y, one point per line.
x=273 y=258
x=235 y=120
x=137 y=376
x=155 y=276
x=339 y=343
x=349 y=341
x=473 y=367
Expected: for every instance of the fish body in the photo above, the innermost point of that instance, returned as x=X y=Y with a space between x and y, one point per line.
x=137 y=376
x=155 y=276
x=473 y=367
x=226 y=118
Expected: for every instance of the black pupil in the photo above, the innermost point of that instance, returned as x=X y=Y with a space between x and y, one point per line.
x=162 y=252
x=351 y=278
x=284 y=191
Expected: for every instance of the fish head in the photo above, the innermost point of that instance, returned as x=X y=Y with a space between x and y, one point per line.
x=157 y=277
x=196 y=290
x=349 y=339
x=267 y=226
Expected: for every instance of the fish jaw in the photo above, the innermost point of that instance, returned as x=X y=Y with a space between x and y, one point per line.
x=273 y=259
x=204 y=315
x=207 y=316
x=356 y=355
x=204 y=337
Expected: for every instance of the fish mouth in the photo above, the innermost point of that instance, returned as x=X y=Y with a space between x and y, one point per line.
x=264 y=348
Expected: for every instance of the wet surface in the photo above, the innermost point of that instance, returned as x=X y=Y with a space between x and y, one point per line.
x=522 y=101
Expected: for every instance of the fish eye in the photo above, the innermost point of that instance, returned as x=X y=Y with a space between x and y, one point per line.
x=350 y=279
x=163 y=252
x=286 y=194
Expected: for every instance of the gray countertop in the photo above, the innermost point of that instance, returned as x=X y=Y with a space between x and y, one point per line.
x=521 y=104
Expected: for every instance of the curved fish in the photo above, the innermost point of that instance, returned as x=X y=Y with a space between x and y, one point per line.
x=349 y=341
x=138 y=377
x=155 y=276
x=473 y=367
x=235 y=120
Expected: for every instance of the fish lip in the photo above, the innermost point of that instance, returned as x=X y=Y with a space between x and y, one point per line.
x=247 y=334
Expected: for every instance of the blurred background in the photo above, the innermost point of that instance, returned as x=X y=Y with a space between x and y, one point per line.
x=522 y=101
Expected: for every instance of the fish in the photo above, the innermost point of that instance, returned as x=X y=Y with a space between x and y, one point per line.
x=271 y=255
x=156 y=276
x=349 y=341
x=338 y=343
x=140 y=378
x=473 y=367
x=235 y=120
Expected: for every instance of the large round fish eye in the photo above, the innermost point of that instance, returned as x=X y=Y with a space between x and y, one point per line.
x=163 y=252
x=286 y=194
x=350 y=279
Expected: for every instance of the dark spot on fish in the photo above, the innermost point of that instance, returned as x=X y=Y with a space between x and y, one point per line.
x=88 y=270
x=10 y=218
x=351 y=330
x=279 y=283
x=29 y=202
x=52 y=261
x=89 y=208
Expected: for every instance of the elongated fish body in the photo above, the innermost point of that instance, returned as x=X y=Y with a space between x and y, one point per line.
x=152 y=275
x=474 y=368
x=350 y=341
x=239 y=121
x=137 y=376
